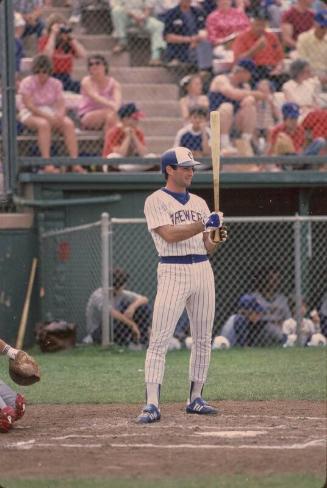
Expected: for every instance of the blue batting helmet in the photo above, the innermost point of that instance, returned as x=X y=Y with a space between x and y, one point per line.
x=178 y=156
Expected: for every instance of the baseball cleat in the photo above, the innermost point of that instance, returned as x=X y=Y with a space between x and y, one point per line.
x=150 y=414
x=7 y=417
x=200 y=407
x=20 y=406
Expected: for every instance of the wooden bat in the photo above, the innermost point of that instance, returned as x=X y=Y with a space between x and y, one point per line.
x=24 y=317
x=215 y=158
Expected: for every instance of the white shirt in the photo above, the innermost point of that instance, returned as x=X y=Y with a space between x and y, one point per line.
x=305 y=94
x=163 y=209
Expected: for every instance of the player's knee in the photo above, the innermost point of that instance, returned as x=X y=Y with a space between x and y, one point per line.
x=7 y=418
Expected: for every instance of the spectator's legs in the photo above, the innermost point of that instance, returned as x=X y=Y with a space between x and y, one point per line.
x=226 y=121
x=120 y=22
x=68 y=130
x=98 y=119
x=315 y=147
x=34 y=29
x=43 y=129
x=155 y=28
x=246 y=118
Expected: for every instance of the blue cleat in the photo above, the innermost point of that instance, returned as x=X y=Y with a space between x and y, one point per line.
x=200 y=407
x=150 y=414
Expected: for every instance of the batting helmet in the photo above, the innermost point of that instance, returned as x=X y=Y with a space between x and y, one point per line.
x=178 y=156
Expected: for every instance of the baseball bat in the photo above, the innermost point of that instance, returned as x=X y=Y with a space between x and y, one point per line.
x=23 y=320
x=215 y=158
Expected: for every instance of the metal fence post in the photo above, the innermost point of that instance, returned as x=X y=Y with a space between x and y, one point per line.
x=298 y=277
x=105 y=277
x=110 y=278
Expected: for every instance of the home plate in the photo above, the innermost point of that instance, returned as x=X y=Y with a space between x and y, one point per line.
x=231 y=434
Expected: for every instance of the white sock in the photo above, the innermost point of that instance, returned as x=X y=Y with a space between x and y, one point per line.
x=195 y=390
x=153 y=393
x=246 y=136
x=225 y=140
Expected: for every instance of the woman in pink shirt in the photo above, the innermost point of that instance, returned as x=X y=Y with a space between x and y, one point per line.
x=225 y=21
x=101 y=96
x=43 y=109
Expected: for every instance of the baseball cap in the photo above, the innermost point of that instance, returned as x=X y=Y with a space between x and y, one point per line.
x=290 y=110
x=321 y=18
x=249 y=302
x=178 y=156
x=130 y=110
x=247 y=64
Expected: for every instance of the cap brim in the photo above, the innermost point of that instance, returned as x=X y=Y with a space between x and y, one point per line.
x=188 y=164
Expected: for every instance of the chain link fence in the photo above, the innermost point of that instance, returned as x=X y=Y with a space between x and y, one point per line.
x=270 y=282
x=109 y=53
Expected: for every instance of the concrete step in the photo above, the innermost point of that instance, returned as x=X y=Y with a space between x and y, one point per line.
x=167 y=126
x=158 y=145
x=92 y=42
x=160 y=108
x=122 y=60
x=129 y=75
x=64 y=11
x=149 y=91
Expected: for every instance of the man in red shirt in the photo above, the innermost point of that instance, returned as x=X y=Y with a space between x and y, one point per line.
x=295 y=20
x=264 y=48
x=126 y=139
x=289 y=137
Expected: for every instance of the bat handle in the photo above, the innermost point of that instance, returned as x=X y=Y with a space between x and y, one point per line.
x=216 y=236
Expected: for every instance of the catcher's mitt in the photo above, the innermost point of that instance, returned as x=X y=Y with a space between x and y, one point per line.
x=24 y=370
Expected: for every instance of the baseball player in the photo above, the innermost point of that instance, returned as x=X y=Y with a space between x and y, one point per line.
x=181 y=226
x=12 y=404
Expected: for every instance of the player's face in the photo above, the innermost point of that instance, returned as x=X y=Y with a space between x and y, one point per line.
x=182 y=178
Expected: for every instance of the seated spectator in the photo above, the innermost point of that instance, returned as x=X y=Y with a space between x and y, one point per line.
x=225 y=21
x=233 y=96
x=137 y=13
x=161 y=7
x=130 y=311
x=315 y=124
x=289 y=136
x=323 y=314
x=248 y=328
x=264 y=48
x=32 y=14
x=267 y=114
x=126 y=139
x=308 y=326
x=101 y=96
x=267 y=293
x=303 y=89
x=194 y=96
x=43 y=109
x=195 y=136
x=312 y=46
x=297 y=19
x=62 y=47
x=19 y=24
x=186 y=38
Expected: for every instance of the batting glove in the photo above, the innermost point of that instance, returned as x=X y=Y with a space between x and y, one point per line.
x=213 y=222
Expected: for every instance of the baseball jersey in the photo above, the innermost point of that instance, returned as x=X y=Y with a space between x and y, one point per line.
x=162 y=208
x=187 y=137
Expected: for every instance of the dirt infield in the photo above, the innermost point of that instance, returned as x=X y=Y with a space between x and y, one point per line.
x=103 y=441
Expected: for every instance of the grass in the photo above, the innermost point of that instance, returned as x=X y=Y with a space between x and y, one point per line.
x=92 y=375
x=236 y=481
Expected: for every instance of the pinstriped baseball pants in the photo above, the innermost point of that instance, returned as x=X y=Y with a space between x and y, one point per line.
x=179 y=286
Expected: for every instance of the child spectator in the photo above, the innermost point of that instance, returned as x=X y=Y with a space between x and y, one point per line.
x=101 y=96
x=43 y=109
x=297 y=19
x=126 y=139
x=194 y=96
x=62 y=47
x=195 y=136
x=31 y=11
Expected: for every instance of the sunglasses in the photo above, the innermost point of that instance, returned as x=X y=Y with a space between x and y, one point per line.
x=95 y=63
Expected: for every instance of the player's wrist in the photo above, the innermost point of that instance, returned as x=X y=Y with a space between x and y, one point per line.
x=10 y=352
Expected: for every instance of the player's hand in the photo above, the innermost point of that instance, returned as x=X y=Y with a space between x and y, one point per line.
x=223 y=233
x=214 y=221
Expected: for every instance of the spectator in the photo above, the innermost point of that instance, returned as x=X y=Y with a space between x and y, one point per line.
x=19 y=23
x=224 y=22
x=312 y=46
x=267 y=114
x=62 y=47
x=130 y=311
x=308 y=326
x=137 y=13
x=248 y=328
x=161 y=7
x=263 y=48
x=31 y=11
x=297 y=19
x=101 y=96
x=289 y=136
x=43 y=109
x=315 y=125
x=194 y=96
x=126 y=139
x=233 y=96
x=268 y=294
x=323 y=314
x=302 y=89
x=195 y=136
x=186 y=38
